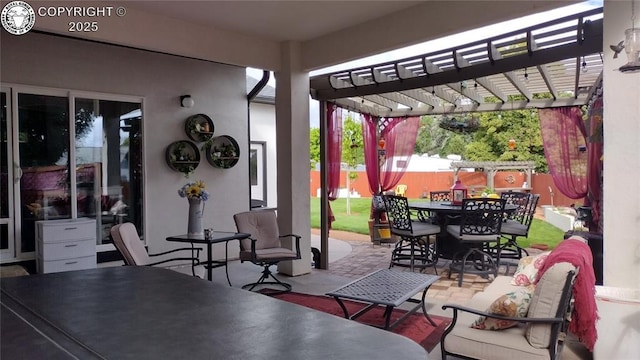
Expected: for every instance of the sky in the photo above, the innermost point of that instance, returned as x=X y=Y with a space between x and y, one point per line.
x=439 y=44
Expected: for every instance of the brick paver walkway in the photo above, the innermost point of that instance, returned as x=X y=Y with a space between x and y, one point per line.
x=366 y=258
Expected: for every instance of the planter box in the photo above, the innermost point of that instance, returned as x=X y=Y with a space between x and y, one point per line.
x=562 y=221
x=380 y=233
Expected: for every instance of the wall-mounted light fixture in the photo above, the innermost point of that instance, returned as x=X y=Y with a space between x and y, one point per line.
x=512 y=144
x=186 y=101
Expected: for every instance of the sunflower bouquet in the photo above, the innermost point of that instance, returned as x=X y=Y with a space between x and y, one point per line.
x=194 y=190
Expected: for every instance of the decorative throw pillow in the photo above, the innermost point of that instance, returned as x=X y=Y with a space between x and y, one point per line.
x=528 y=268
x=513 y=304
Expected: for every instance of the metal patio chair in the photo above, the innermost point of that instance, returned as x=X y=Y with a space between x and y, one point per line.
x=415 y=248
x=480 y=225
x=518 y=225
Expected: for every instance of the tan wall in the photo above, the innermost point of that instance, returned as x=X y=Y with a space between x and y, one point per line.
x=420 y=184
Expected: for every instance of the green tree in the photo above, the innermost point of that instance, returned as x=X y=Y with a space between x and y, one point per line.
x=456 y=144
x=491 y=141
x=352 y=143
x=314 y=150
x=432 y=139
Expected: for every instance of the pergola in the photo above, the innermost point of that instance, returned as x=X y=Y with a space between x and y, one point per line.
x=492 y=167
x=554 y=64
x=562 y=58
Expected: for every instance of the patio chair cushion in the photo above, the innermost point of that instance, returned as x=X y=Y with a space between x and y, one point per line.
x=511 y=344
x=528 y=268
x=454 y=230
x=513 y=227
x=512 y=304
x=545 y=302
x=268 y=254
x=423 y=229
x=126 y=239
x=263 y=227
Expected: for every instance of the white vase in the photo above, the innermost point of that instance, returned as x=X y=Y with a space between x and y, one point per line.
x=196 y=210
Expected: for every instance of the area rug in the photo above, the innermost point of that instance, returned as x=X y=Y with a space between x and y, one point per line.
x=415 y=327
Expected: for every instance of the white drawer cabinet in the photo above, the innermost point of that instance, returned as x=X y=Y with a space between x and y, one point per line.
x=65 y=245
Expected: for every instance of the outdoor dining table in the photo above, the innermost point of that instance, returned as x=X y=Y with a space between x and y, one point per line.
x=215 y=238
x=446 y=214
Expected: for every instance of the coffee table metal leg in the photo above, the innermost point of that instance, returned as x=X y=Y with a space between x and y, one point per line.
x=344 y=308
x=424 y=309
x=226 y=260
x=209 y=262
x=387 y=314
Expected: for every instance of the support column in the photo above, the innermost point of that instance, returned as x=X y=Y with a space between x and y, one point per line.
x=324 y=194
x=292 y=139
x=621 y=119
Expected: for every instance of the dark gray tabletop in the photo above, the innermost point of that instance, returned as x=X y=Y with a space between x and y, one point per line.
x=446 y=207
x=217 y=237
x=153 y=313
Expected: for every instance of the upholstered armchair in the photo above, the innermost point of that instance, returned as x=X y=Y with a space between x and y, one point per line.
x=264 y=247
x=536 y=330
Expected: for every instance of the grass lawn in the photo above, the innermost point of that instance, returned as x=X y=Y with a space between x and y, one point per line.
x=541 y=232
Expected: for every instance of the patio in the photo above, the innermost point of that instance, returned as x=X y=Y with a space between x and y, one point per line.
x=353 y=256
x=220 y=80
x=291 y=55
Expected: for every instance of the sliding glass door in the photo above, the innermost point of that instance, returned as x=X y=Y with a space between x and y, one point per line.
x=67 y=157
x=108 y=160
x=43 y=157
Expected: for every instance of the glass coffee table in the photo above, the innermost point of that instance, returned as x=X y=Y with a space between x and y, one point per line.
x=389 y=288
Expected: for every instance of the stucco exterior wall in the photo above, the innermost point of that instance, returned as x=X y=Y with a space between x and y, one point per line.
x=621 y=205
x=262 y=117
x=218 y=90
